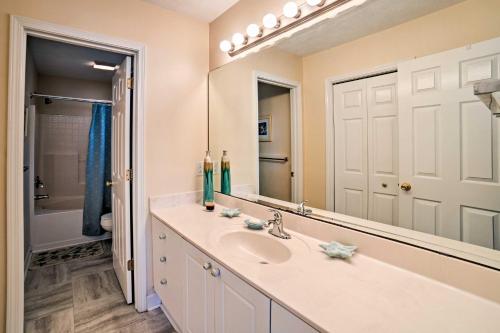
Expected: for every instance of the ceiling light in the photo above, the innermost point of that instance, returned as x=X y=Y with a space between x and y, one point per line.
x=238 y=39
x=291 y=10
x=253 y=30
x=106 y=67
x=318 y=3
x=226 y=46
x=270 y=21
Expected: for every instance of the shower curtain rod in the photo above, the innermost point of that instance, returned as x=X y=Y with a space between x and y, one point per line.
x=76 y=99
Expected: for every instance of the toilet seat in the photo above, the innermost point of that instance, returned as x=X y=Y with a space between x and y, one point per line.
x=107 y=222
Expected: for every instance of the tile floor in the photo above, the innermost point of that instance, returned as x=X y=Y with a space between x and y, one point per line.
x=83 y=295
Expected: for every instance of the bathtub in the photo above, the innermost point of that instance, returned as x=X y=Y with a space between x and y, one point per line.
x=57 y=222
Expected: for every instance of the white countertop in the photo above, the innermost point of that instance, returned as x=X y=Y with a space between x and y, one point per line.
x=332 y=295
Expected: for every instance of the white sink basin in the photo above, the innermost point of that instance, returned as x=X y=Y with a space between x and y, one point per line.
x=256 y=247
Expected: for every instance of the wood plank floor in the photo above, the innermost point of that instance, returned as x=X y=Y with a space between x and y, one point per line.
x=83 y=295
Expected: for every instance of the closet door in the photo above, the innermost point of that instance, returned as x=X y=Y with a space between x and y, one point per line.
x=351 y=156
x=449 y=145
x=383 y=173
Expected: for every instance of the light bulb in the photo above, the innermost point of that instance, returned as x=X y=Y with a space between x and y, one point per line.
x=291 y=10
x=270 y=21
x=238 y=39
x=226 y=46
x=253 y=30
x=318 y=3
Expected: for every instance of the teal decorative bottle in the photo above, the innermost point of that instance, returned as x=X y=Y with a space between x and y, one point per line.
x=208 y=182
x=225 y=171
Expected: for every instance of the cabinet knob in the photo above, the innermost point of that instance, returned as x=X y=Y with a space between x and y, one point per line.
x=215 y=272
x=163 y=259
x=163 y=281
x=207 y=266
x=163 y=236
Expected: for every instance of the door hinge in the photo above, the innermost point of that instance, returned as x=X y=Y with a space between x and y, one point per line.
x=130 y=265
x=130 y=175
x=130 y=83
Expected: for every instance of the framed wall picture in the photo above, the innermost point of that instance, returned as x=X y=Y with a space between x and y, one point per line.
x=265 y=128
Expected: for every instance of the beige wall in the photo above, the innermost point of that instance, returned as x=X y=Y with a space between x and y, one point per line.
x=236 y=19
x=176 y=69
x=233 y=121
x=468 y=22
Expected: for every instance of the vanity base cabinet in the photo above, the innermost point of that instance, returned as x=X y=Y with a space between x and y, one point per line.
x=198 y=291
x=239 y=307
x=284 y=321
x=168 y=274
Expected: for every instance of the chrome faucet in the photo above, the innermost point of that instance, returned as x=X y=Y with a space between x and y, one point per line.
x=301 y=209
x=277 y=223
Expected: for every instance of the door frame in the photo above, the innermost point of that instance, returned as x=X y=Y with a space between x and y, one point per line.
x=330 y=126
x=296 y=130
x=20 y=28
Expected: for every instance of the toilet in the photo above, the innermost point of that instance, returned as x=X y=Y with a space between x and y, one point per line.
x=107 y=222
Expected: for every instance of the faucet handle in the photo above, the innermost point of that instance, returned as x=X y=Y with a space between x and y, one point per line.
x=277 y=214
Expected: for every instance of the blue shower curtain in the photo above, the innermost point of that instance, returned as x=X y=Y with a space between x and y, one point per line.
x=97 y=195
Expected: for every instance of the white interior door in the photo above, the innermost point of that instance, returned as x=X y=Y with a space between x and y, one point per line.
x=351 y=157
x=120 y=166
x=449 y=146
x=383 y=173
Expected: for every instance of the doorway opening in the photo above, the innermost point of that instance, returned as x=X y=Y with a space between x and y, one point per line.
x=23 y=32
x=279 y=128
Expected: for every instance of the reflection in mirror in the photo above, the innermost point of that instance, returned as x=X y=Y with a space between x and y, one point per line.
x=374 y=122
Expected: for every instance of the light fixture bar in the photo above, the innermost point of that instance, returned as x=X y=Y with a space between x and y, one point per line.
x=105 y=67
x=290 y=26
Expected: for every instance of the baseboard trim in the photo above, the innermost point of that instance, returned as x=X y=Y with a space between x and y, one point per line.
x=27 y=261
x=153 y=301
x=66 y=243
x=172 y=322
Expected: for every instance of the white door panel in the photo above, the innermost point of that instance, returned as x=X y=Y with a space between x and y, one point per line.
x=382 y=111
x=351 y=168
x=120 y=163
x=366 y=148
x=449 y=145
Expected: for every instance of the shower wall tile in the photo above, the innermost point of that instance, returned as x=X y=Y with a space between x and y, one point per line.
x=62 y=153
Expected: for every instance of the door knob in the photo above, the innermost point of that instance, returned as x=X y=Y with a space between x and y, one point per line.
x=109 y=183
x=406 y=187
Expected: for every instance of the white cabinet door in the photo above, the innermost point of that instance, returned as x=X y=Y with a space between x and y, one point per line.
x=198 y=292
x=168 y=271
x=351 y=167
x=239 y=307
x=449 y=145
x=383 y=169
x=285 y=322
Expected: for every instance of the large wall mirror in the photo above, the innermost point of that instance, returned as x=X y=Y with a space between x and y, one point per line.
x=371 y=119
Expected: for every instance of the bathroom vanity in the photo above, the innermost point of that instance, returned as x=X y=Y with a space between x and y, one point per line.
x=215 y=275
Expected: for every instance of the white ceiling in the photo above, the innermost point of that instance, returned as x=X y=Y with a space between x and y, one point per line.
x=65 y=60
x=205 y=10
x=372 y=16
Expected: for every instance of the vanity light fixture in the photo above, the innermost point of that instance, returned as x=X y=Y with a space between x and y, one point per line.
x=103 y=66
x=270 y=21
x=253 y=30
x=291 y=10
x=318 y=3
x=226 y=46
x=239 y=39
